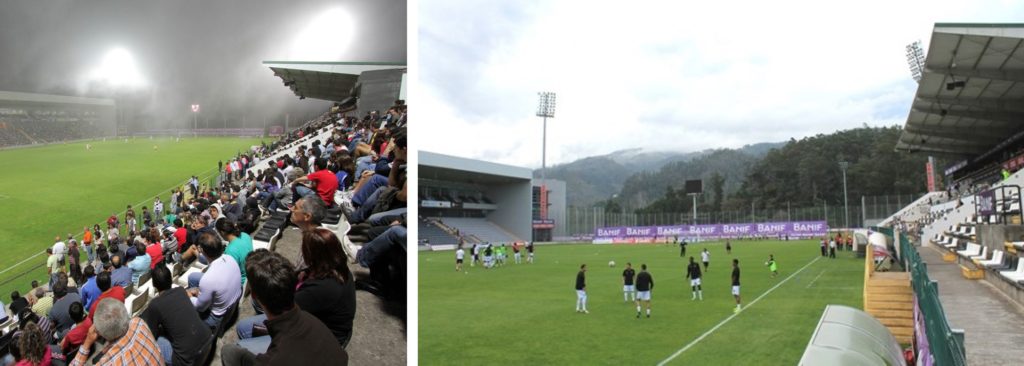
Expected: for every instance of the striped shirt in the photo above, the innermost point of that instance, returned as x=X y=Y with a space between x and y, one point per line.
x=137 y=347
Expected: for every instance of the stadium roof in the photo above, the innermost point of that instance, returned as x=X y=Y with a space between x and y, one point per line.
x=52 y=99
x=333 y=81
x=969 y=99
x=453 y=168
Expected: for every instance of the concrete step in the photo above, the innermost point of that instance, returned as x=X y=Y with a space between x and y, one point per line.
x=889 y=305
x=888 y=290
x=895 y=297
x=901 y=331
x=888 y=283
x=890 y=313
x=896 y=322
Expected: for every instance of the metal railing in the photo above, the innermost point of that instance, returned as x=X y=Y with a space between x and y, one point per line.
x=946 y=344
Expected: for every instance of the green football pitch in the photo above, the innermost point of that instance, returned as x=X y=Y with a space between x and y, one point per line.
x=57 y=189
x=524 y=314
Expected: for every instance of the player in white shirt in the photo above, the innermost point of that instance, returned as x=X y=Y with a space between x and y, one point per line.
x=705 y=257
x=476 y=255
x=459 y=255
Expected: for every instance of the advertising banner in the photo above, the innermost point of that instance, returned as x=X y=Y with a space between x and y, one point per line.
x=987 y=202
x=632 y=234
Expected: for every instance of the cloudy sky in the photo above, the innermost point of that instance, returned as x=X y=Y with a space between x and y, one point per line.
x=666 y=75
x=174 y=53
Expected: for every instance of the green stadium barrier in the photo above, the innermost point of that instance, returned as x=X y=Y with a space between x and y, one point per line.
x=945 y=344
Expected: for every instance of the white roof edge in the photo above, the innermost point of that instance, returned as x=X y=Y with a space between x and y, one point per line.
x=49 y=98
x=979 y=30
x=431 y=159
x=335 y=69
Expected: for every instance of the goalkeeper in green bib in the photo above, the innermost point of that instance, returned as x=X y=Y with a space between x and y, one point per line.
x=772 y=266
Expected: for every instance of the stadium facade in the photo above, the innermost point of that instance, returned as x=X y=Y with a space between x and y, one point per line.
x=458 y=191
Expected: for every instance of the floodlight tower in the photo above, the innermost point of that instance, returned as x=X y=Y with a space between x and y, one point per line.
x=195 y=120
x=545 y=109
x=915 y=60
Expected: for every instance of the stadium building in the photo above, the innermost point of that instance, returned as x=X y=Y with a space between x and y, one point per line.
x=486 y=202
x=28 y=119
x=964 y=238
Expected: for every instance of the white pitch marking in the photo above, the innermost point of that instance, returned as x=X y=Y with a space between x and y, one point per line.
x=815 y=279
x=720 y=324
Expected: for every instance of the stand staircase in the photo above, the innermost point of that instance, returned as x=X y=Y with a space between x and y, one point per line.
x=890 y=299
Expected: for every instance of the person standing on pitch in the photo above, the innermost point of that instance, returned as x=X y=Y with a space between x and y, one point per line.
x=459 y=255
x=627 y=283
x=581 y=290
x=728 y=247
x=772 y=266
x=705 y=257
x=476 y=255
x=832 y=248
x=529 y=250
x=736 y=283
x=644 y=285
x=682 y=248
x=515 y=249
x=693 y=273
x=823 y=252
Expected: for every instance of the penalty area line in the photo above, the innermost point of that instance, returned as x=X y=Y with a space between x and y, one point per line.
x=720 y=324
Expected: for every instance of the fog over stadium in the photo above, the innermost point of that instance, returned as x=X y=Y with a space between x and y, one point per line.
x=668 y=75
x=159 y=57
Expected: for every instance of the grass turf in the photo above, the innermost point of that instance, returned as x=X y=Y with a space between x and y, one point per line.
x=55 y=190
x=524 y=314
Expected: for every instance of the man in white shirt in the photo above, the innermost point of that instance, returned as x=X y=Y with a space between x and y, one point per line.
x=59 y=249
x=459 y=255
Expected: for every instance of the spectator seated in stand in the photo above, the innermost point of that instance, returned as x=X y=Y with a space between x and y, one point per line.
x=107 y=290
x=296 y=336
x=327 y=291
x=121 y=275
x=128 y=341
x=214 y=293
x=140 y=265
x=60 y=312
x=181 y=335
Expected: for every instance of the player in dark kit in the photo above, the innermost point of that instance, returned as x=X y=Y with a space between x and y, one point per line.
x=682 y=248
x=728 y=247
x=693 y=273
x=644 y=285
x=529 y=251
x=627 y=283
x=581 y=290
x=736 y=283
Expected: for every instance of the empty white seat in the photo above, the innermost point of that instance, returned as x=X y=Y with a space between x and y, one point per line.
x=984 y=253
x=972 y=249
x=1016 y=275
x=997 y=259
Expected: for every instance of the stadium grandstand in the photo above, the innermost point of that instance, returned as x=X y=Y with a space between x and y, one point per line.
x=475 y=202
x=962 y=244
x=328 y=196
x=31 y=119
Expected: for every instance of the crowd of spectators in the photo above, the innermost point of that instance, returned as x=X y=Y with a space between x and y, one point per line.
x=305 y=305
x=26 y=127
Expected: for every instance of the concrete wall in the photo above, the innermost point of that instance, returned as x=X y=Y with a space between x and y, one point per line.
x=994 y=236
x=378 y=90
x=514 y=207
x=556 y=204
